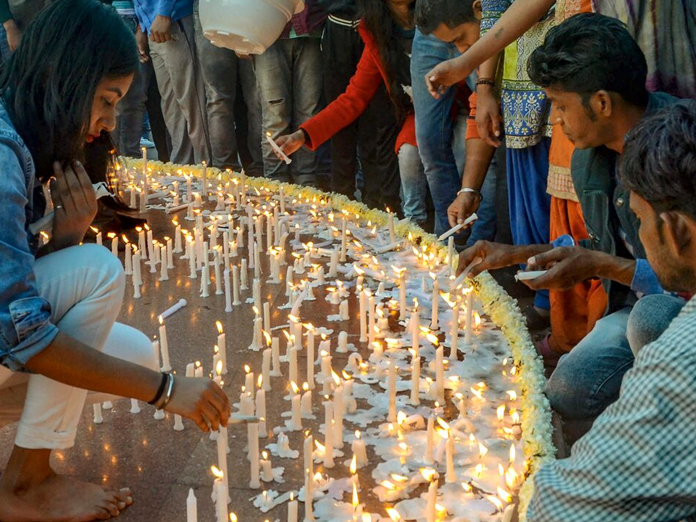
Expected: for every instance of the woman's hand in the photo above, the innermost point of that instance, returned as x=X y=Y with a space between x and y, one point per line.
x=74 y=203
x=446 y=74
x=290 y=143
x=200 y=400
x=488 y=118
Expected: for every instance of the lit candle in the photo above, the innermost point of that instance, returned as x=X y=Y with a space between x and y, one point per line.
x=392 y=232
x=220 y=491
x=266 y=469
x=164 y=346
x=371 y=319
x=222 y=450
x=309 y=494
x=177 y=239
x=249 y=379
x=326 y=372
x=344 y=241
x=266 y=369
x=450 y=255
x=308 y=453
x=292 y=370
x=253 y=435
x=310 y=358
x=164 y=273
x=333 y=268
x=402 y=296
x=292 y=509
x=222 y=345
x=129 y=259
x=136 y=275
x=359 y=450
x=343 y=310
x=114 y=244
x=431 y=509
x=266 y=314
x=244 y=279
x=191 y=253
x=306 y=402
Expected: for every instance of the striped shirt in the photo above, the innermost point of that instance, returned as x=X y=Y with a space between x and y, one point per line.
x=638 y=462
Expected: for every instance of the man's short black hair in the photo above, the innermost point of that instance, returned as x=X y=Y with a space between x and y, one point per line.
x=431 y=13
x=588 y=53
x=659 y=159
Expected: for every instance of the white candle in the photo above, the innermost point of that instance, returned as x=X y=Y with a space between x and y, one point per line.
x=292 y=370
x=136 y=275
x=454 y=333
x=266 y=469
x=327 y=372
x=343 y=310
x=218 y=275
x=309 y=494
x=402 y=296
x=164 y=346
x=451 y=476
x=222 y=449
x=391 y=389
x=333 y=268
x=292 y=509
x=430 y=440
x=469 y=316
x=150 y=246
x=226 y=248
x=415 y=381
x=129 y=259
x=164 y=273
x=98 y=418
x=275 y=358
x=221 y=502
x=135 y=407
x=244 y=275
x=222 y=345
x=328 y=460
x=451 y=255
x=296 y=419
x=306 y=402
x=359 y=450
x=339 y=410
x=440 y=375
x=415 y=332
x=228 y=292
x=249 y=383
x=363 y=317
x=141 y=242
x=235 y=286
x=253 y=433
x=392 y=232
x=371 y=319
x=191 y=253
x=177 y=240
x=310 y=359
x=342 y=343
x=288 y=281
x=308 y=454
x=114 y=245
x=436 y=303
x=261 y=412
x=266 y=314
x=191 y=507
x=178 y=423
x=431 y=510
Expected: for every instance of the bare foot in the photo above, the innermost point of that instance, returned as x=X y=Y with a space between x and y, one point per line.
x=62 y=499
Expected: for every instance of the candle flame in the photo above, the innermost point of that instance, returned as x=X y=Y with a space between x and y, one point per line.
x=294 y=387
x=305 y=387
x=467 y=487
x=217 y=472
x=512 y=453
x=501 y=412
x=356 y=502
x=504 y=495
x=387 y=485
x=512 y=394
x=259 y=382
x=219 y=326
x=246 y=368
x=233 y=517
x=160 y=319
x=346 y=376
x=442 y=423
x=482 y=450
x=393 y=515
x=357 y=434
x=428 y=474
x=218 y=368
x=268 y=338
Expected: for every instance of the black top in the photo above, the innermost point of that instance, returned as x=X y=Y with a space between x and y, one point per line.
x=345 y=9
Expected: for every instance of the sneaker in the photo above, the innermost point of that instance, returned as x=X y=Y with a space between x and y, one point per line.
x=144 y=142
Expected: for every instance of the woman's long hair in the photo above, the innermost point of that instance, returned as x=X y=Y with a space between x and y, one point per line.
x=48 y=84
x=380 y=23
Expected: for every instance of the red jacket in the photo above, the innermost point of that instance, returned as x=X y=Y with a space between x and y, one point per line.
x=348 y=107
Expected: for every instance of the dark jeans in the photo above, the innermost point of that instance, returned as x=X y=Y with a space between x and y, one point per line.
x=371 y=138
x=290 y=83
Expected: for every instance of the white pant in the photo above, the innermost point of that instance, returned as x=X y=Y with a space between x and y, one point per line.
x=84 y=286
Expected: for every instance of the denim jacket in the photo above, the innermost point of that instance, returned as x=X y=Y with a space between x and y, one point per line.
x=605 y=206
x=25 y=325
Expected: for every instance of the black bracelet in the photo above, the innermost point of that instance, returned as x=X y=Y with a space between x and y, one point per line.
x=160 y=391
x=308 y=140
x=485 y=81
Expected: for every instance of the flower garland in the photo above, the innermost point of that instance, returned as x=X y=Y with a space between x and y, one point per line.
x=503 y=310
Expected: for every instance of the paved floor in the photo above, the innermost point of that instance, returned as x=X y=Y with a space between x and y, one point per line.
x=157 y=463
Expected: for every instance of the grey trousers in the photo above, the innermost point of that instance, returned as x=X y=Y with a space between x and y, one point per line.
x=181 y=85
x=289 y=76
x=222 y=70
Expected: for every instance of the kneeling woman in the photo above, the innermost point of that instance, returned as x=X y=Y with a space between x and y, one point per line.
x=59 y=303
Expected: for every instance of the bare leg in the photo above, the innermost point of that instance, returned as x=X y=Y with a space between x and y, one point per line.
x=30 y=491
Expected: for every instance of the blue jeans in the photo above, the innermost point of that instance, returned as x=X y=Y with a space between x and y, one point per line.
x=588 y=379
x=434 y=126
x=413 y=184
x=289 y=76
